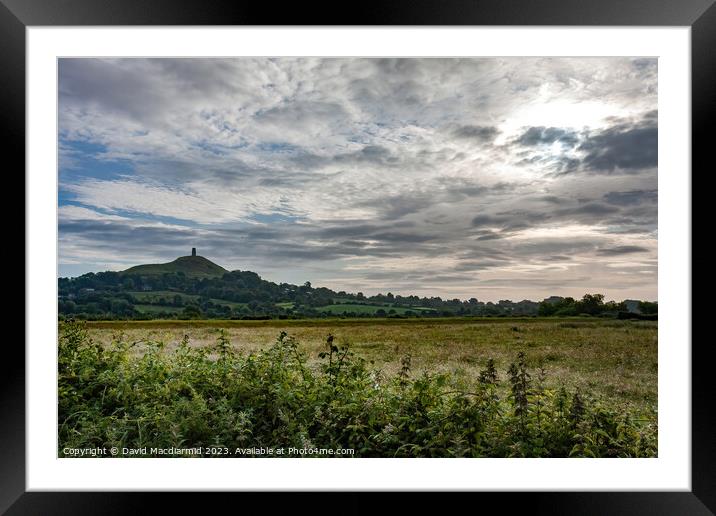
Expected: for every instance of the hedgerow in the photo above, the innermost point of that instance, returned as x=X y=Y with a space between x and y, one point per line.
x=216 y=397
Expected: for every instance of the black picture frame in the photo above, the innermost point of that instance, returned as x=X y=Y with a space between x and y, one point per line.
x=700 y=15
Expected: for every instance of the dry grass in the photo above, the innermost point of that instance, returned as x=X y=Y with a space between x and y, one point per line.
x=615 y=359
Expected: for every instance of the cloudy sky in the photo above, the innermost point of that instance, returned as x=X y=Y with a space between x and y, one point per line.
x=495 y=178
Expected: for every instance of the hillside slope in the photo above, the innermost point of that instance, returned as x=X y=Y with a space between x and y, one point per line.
x=191 y=266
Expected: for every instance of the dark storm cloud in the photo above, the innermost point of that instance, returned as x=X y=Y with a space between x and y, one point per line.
x=623 y=147
x=628 y=146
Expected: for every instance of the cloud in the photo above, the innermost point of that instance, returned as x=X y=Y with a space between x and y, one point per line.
x=477 y=132
x=371 y=173
x=590 y=209
x=622 y=147
x=69 y=212
x=620 y=250
x=548 y=136
x=631 y=197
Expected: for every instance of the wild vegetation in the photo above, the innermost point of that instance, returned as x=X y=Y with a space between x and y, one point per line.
x=616 y=360
x=130 y=393
x=591 y=304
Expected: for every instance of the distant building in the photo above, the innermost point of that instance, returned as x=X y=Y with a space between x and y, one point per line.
x=193 y=251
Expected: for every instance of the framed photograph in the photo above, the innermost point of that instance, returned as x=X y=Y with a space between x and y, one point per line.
x=421 y=249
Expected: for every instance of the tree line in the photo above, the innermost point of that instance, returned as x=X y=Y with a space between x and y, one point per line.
x=244 y=294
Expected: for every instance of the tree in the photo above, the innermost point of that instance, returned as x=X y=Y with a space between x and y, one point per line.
x=648 y=308
x=191 y=312
x=592 y=304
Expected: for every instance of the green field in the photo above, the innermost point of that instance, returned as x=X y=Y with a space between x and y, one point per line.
x=158 y=309
x=153 y=296
x=147 y=298
x=617 y=359
x=338 y=309
x=445 y=387
x=230 y=304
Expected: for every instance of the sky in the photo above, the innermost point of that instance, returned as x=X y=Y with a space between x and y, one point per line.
x=493 y=178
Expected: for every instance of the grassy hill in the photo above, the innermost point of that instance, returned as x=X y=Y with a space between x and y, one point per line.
x=191 y=266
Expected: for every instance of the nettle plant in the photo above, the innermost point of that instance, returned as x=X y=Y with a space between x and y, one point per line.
x=215 y=396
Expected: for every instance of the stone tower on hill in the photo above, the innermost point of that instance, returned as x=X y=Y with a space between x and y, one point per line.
x=193 y=251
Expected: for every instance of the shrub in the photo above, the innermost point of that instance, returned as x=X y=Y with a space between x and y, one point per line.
x=192 y=397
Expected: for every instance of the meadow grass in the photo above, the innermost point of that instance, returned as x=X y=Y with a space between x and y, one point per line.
x=437 y=389
x=613 y=359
